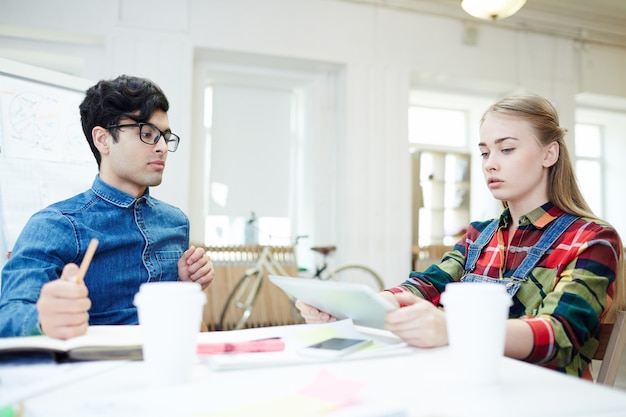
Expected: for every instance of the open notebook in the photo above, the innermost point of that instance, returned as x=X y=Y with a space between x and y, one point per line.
x=99 y=343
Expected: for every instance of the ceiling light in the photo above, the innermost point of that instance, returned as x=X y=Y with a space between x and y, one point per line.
x=492 y=9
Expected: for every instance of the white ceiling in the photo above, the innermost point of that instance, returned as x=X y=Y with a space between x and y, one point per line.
x=594 y=21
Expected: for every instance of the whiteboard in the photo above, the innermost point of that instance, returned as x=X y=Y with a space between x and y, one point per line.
x=44 y=156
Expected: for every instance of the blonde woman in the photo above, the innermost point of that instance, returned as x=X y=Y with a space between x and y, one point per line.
x=559 y=296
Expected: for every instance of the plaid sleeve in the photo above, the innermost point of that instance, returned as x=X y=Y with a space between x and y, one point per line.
x=566 y=323
x=430 y=283
x=543 y=340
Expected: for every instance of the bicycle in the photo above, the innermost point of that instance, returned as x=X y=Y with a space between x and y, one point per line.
x=241 y=300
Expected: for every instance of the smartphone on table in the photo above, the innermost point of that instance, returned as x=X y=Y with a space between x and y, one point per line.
x=334 y=347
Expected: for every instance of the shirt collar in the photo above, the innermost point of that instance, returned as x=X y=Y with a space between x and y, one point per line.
x=539 y=217
x=116 y=196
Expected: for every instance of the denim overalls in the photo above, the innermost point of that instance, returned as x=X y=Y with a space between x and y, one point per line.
x=550 y=235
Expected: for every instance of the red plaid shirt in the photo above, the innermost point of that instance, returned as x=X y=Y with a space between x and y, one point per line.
x=565 y=295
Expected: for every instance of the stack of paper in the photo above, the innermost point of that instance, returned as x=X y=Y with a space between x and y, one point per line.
x=297 y=337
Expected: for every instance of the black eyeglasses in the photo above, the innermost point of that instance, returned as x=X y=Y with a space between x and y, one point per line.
x=150 y=134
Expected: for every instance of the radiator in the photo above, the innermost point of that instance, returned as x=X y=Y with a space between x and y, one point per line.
x=272 y=307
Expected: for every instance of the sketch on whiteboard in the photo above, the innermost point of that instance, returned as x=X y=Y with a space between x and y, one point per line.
x=41 y=122
x=33 y=119
x=44 y=156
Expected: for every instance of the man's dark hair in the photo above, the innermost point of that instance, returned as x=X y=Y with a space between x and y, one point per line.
x=125 y=97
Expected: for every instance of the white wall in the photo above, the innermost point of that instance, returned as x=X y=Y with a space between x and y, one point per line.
x=381 y=54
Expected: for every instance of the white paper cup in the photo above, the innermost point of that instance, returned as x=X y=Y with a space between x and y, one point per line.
x=476 y=315
x=170 y=314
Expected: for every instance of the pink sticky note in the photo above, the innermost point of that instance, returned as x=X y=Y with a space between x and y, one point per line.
x=325 y=394
x=331 y=388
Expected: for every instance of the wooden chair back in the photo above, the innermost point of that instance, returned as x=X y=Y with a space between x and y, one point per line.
x=425 y=256
x=611 y=349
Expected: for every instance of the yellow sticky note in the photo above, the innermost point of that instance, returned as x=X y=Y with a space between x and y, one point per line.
x=289 y=406
x=318 y=334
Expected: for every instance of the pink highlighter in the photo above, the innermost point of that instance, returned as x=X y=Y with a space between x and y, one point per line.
x=273 y=344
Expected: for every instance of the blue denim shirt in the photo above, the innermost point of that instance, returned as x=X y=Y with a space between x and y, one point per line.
x=141 y=240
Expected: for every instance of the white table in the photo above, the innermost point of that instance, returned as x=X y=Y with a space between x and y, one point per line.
x=417 y=384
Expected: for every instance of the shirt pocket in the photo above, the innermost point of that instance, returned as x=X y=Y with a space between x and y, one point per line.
x=168 y=264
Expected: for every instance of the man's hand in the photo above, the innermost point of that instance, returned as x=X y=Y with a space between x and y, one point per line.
x=63 y=306
x=195 y=265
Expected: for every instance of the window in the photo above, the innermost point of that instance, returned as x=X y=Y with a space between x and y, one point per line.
x=251 y=135
x=588 y=166
x=438 y=127
x=441 y=210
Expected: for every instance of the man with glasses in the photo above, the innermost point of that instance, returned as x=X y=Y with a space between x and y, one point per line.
x=141 y=239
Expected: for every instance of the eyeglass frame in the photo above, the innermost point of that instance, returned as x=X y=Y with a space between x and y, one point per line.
x=162 y=134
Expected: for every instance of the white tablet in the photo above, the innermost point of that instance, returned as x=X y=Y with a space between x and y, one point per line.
x=343 y=300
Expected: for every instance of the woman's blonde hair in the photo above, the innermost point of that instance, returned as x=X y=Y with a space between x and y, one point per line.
x=563 y=189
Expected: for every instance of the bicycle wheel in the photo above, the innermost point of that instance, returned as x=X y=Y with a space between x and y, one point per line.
x=240 y=301
x=359 y=274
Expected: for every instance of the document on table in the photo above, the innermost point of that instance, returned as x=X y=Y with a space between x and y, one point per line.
x=296 y=337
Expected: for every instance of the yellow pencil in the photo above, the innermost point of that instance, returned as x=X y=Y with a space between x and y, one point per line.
x=84 y=265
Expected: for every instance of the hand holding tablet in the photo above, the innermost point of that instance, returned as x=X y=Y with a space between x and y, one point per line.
x=342 y=300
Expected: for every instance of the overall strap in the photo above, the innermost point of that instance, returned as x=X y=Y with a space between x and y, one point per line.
x=551 y=234
x=476 y=247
